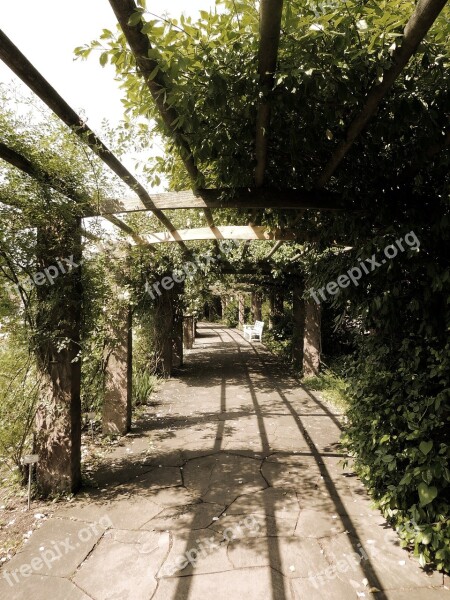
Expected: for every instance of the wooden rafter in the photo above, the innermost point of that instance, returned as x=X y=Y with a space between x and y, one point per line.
x=229 y=232
x=158 y=86
x=269 y=27
x=22 y=67
x=22 y=163
x=425 y=13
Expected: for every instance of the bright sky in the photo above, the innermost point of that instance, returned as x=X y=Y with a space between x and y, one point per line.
x=47 y=31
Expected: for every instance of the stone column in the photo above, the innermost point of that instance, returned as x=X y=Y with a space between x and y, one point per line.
x=298 y=317
x=177 y=331
x=57 y=345
x=116 y=418
x=188 y=331
x=241 y=304
x=312 y=340
x=256 y=306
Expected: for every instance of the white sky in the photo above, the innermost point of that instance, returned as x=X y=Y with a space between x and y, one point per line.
x=47 y=31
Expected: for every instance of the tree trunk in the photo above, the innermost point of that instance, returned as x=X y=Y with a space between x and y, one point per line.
x=57 y=345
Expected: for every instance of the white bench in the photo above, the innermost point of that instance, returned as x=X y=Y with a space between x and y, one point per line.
x=254 y=332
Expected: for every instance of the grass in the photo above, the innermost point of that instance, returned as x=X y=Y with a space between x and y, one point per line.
x=331 y=385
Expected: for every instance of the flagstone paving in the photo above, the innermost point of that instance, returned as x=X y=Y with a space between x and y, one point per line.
x=231 y=488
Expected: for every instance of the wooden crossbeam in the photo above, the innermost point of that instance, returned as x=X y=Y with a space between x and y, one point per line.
x=240 y=198
x=228 y=232
x=425 y=13
x=23 y=68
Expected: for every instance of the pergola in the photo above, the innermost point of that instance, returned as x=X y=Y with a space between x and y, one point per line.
x=59 y=445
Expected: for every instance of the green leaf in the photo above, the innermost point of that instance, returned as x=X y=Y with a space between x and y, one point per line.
x=425 y=447
x=135 y=18
x=426 y=493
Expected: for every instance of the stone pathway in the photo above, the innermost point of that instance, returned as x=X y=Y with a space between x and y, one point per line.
x=233 y=489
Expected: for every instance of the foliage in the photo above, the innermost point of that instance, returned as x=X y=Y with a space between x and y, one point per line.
x=231 y=313
x=19 y=391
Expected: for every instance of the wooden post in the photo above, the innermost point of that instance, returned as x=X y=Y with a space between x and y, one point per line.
x=298 y=317
x=241 y=304
x=116 y=417
x=312 y=340
x=57 y=345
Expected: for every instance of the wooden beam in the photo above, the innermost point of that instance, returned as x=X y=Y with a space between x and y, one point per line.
x=240 y=198
x=231 y=232
x=22 y=163
x=22 y=67
x=269 y=26
x=425 y=13
x=273 y=250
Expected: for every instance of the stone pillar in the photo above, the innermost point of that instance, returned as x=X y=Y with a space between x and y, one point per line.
x=312 y=340
x=276 y=302
x=116 y=418
x=177 y=331
x=188 y=332
x=298 y=317
x=241 y=304
x=256 y=306
x=163 y=333
x=57 y=347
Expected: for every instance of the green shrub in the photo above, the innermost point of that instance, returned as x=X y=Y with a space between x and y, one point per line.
x=231 y=314
x=19 y=394
x=399 y=434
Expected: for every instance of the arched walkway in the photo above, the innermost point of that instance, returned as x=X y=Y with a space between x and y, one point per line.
x=230 y=488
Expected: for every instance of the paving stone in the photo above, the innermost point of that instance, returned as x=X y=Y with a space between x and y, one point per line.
x=201 y=551
x=438 y=593
x=270 y=502
x=318 y=524
x=248 y=584
x=126 y=512
x=328 y=589
x=222 y=478
x=182 y=519
x=254 y=525
x=124 y=565
x=384 y=568
x=293 y=557
x=40 y=587
x=57 y=548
